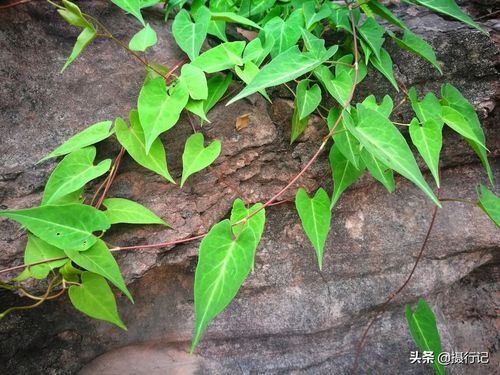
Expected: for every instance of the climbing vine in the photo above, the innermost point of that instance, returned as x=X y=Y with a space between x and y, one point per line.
x=283 y=44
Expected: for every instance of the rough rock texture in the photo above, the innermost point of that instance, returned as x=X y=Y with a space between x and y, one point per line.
x=288 y=317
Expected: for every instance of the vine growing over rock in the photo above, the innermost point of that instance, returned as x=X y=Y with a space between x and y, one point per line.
x=278 y=42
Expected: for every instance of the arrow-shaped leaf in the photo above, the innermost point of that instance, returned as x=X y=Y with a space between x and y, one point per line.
x=428 y=139
x=120 y=210
x=490 y=204
x=344 y=173
x=307 y=99
x=378 y=170
x=196 y=156
x=144 y=39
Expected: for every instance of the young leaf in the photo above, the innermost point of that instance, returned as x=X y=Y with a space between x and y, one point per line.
x=73 y=15
x=449 y=8
x=384 y=66
x=287 y=66
x=197 y=157
x=298 y=126
x=120 y=210
x=195 y=80
x=132 y=139
x=378 y=170
x=144 y=39
x=69 y=272
x=422 y=325
x=37 y=250
x=190 y=35
x=98 y=259
x=234 y=18
x=223 y=264
x=339 y=87
x=224 y=56
x=382 y=139
x=416 y=45
x=490 y=204
x=72 y=174
x=131 y=6
x=315 y=216
x=255 y=224
x=67 y=227
x=428 y=140
x=372 y=33
x=454 y=99
x=93 y=134
x=344 y=173
x=95 y=299
x=307 y=99
x=159 y=110
x=84 y=39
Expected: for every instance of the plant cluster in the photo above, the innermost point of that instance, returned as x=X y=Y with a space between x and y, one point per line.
x=284 y=45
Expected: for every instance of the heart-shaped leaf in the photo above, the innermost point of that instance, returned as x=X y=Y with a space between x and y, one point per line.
x=190 y=35
x=68 y=226
x=197 y=157
x=120 y=210
x=307 y=99
x=144 y=39
x=95 y=298
x=195 y=80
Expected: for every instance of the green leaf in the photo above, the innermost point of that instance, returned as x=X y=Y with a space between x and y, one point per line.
x=315 y=216
x=298 y=126
x=385 y=107
x=428 y=140
x=307 y=99
x=84 y=39
x=310 y=14
x=490 y=204
x=37 y=250
x=347 y=144
x=449 y=8
x=287 y=66
x=72 y=174
x=131 y=6
x=429 y=109
x=144 y=39
x=454 y=99
x=93 y=134
x=67 y=227
x=224 y=56
x=98 y=259
x=253 y=50
x=455 y=120
x=422 y=325
x=73 y=15
x=382 y=139
x=196 y=107
x=69 y=272
x=120 y=210
x=285 y=33
x=384 y=66
x=255 y=224
x=313 y=44
x=197 y=157
x=195 y=80
x=418 y=46
x=223 y=264
x=378 y=170
x=190 y=35
x=382 y=11
x=344 y=173
x=217 y=87
x=95 y=299
x=132 y=139
x=339 y=87
x=159 y=110
x=248 y=73
x=233 y=18
x=372 y=33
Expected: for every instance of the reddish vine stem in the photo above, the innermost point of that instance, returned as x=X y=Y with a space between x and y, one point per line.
x=111 y=177
x=393 y=295
x=328 y=136
x=159 y=245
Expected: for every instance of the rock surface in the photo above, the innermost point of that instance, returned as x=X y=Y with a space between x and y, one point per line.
x=288 y=317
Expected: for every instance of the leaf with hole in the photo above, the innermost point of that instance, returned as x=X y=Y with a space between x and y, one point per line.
x=196 y=156
x=98 y=259
x=428 y=139
x=143 y=39
x=73 y=173
x=120 y=210
x=132 y=139
x=93 y=134
x=315 y=216
x=158 y=109
x=94 y=298
x=68 y=226
x=224 y=261
x=423 y=328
